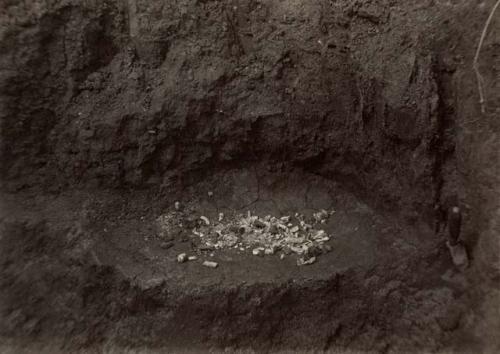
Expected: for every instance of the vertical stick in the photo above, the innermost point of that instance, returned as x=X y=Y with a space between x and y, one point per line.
x=480 y=80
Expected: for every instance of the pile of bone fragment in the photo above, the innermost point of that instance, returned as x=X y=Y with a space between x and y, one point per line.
x=262 y=236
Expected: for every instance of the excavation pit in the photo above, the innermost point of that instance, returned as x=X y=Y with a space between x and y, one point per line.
x=249 y=175
x=354 y=235
x=130 y=280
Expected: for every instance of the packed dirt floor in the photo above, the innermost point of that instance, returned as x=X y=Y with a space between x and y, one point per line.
x=248 y=176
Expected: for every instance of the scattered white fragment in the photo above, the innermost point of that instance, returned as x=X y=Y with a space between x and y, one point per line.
x=302 y=261
x=322 y=240
x=177 y=205
x=221 y=216
x=258 y=251
x=295 y=240
x=205 y=220
x=320 y=236
x=199 y=234
x=282 y=227
x=282 y=256
x=210 y=264
x=210 y=193
x=285 y=219
x=192 y=258
x=268 y=251
x=321 y=216
x=181 y=258
x=294 y=229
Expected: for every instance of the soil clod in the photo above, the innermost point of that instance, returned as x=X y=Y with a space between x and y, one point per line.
x=167 y=245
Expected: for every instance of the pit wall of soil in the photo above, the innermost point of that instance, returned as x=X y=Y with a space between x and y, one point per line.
x=379 y=95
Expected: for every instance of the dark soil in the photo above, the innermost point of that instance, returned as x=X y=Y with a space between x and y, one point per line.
x=111 y=111
x=102 y=275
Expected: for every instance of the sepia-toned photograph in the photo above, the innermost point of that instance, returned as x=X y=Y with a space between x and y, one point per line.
x=249 y=176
